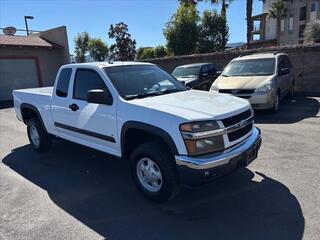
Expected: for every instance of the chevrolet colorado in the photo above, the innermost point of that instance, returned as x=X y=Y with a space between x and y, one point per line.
x=170 y=135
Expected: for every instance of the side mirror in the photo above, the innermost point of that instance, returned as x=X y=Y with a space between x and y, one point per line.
x=284 y=71
x=99 y=96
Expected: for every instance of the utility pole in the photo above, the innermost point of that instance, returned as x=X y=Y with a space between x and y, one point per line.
x=26 y=22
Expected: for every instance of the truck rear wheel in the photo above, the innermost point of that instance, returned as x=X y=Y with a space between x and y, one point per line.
x=39 y=139
x=154 y=173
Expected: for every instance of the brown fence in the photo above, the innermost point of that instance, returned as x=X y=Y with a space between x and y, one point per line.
x=305 y=60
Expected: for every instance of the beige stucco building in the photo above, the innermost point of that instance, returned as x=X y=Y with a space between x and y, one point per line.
x=296 y=15
x=31 y=61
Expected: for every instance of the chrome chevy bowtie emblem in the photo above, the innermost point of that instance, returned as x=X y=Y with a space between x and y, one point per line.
x=242 y=123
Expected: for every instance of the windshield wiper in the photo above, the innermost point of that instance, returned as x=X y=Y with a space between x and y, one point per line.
x=172 y=90
x=143 y=95
x=151 y=94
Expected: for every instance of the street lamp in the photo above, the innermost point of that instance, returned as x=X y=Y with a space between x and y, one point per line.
x=25 y=20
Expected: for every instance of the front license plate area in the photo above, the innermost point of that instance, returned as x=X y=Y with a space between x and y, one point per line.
x=250 y=154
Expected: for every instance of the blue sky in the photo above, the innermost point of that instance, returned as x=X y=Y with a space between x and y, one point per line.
x=145 y=18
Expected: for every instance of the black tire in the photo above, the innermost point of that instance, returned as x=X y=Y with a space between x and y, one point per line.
x=160 y=155
x=45 y=139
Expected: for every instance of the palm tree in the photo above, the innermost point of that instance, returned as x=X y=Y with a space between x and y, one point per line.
x=277 y=11
x=194 y=2
x=224 y=6
x=249 y=22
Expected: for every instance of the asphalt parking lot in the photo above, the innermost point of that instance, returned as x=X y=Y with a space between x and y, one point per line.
x=73 y=192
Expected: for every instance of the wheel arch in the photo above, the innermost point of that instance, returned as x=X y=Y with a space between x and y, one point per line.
x=29 y=111
x=141 y=132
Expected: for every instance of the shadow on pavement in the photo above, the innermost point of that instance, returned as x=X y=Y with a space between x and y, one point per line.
x=291 y=111
x=97 y=190
x=6 y=104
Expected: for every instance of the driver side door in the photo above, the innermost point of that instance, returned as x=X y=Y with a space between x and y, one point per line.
x=92 y=124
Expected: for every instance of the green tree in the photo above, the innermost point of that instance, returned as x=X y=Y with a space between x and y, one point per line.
x=188 y=2
x=125 y=48
x=145 y=53
x=160 y=51
x=98 y=49
x=276 y=11
x=211 y=32
x=148 y=53
x=312 y=32
x=181 y=31
x=81 y=42
x=249 y=22
x=224 y=6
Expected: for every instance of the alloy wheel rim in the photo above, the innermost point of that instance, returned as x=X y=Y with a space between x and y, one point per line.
x=34 y=135
x=149 y=175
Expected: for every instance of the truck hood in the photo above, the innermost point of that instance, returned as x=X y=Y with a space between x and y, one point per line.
x=195 y=105
x=247 y=82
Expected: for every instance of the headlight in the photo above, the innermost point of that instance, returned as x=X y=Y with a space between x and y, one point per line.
x=265 y=88
x=199 y=139
x=214 y=88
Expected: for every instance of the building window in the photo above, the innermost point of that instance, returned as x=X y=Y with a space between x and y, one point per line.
x=301 y=30
x=291 y=24
x=303 y=13
x=313 y=11
x=313 y=6
x=282 y=25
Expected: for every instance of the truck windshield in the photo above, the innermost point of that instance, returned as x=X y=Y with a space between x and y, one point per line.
x=252 y=67
x=185 y=72
x=139 y=81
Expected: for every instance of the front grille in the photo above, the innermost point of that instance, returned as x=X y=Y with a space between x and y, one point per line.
x=236 y=118
x=224 y=91
x=233 y=136
x=240 y=133
x=245 y=91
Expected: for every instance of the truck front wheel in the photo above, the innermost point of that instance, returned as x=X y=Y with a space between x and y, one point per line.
x=154 y=173
x=39 y=139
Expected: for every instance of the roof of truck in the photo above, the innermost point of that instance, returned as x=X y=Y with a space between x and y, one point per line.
x=109 y=64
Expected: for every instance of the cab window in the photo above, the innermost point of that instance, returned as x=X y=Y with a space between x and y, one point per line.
x=63 y=82
x=86 y=80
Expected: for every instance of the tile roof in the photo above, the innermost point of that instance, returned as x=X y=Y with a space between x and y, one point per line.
x=32 y=41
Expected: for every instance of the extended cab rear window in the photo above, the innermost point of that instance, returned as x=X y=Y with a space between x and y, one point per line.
x=63 y=82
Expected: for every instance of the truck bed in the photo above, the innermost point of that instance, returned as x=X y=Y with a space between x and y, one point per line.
x=40 y=98
x=47 y=91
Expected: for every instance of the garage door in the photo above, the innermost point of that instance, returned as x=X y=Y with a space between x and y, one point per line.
x=16 y=74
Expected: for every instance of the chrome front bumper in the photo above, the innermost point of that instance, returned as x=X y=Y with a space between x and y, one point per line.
x=217 y=159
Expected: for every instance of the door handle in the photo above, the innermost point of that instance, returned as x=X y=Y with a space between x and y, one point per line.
x=74 y=107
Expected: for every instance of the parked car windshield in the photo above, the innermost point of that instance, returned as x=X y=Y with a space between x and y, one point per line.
x=252 y=67
x=185 y=72
x=139 y=81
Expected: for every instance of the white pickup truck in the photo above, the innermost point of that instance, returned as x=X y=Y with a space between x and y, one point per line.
x=170 y=135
